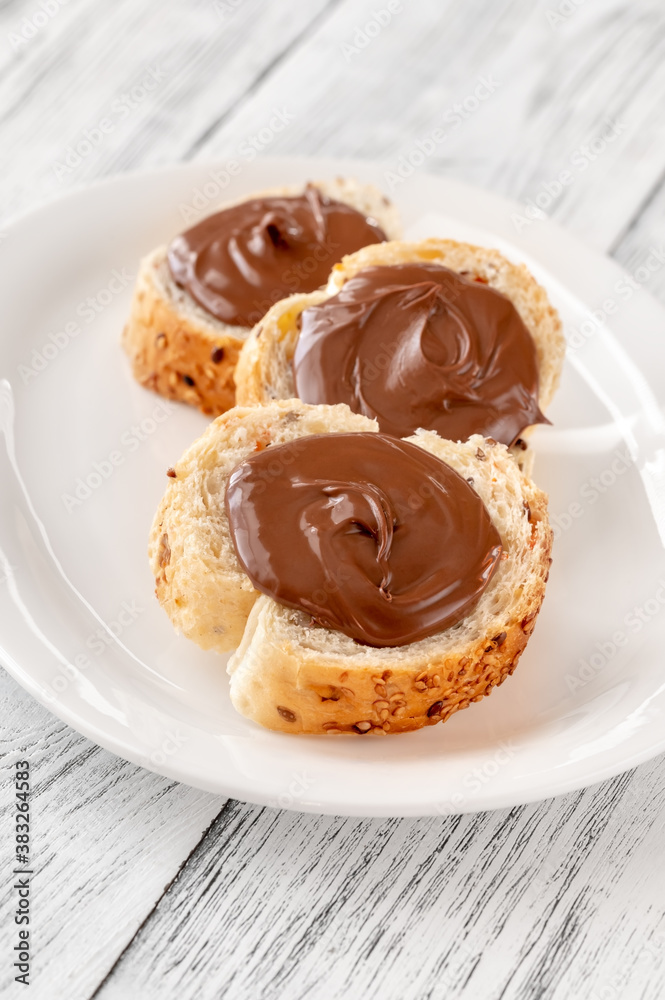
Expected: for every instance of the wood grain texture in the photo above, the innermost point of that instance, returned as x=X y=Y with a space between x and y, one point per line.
x=643 y=245
x=559 y=900
x=107 y=838
x=195 y=65
x=519 y=903
x=555 y=90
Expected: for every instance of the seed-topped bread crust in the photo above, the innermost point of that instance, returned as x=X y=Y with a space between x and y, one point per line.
x=296 y=677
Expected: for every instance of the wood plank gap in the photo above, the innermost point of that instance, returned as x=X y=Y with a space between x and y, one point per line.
x=167 y=889
x=263 y=75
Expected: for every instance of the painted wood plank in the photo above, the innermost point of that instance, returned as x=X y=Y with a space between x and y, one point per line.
x=139 y=83
x=641 y=250
x=555 y=89
x=561 y=900
x=107 y=837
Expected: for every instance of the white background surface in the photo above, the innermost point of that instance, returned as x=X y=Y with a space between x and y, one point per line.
x=149 y=889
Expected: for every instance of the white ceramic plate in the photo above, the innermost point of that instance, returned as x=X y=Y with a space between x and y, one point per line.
x=83 y=453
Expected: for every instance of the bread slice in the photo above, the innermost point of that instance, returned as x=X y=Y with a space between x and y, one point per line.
x=183 y=352
x=264 y=369
x=291 y=676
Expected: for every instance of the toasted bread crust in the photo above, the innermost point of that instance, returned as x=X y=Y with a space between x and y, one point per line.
x=178 y=353
x=279 y=691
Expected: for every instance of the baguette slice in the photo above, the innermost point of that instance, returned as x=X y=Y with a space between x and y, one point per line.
x=264 y=371
x=293 y=677
x=183 y=352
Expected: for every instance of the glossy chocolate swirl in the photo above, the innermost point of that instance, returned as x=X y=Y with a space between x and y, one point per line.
x=237 y=263
x=418 y=345
x=369 y=535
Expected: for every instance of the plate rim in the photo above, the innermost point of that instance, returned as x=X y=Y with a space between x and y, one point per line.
x=546 y=231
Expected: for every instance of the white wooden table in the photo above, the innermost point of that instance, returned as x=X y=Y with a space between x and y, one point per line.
x=149 y=889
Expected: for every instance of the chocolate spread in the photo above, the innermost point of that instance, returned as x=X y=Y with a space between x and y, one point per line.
x=369 y=535
x=240 y=261
x=417 y=345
